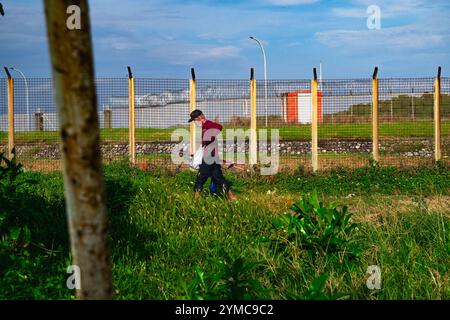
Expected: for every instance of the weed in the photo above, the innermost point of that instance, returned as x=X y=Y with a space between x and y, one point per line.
x=314 y=226
x=159 y=234
x=229 y=278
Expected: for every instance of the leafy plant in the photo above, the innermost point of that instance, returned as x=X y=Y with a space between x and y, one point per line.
x=229 y=279
x=372 y=162
x=9 y=171
x=13 y=238
x=316 y=290
x=315 y=226
x=30 y=267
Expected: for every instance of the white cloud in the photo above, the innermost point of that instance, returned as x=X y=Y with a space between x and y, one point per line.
x=18 y=40
x=390 y=8
x=405 y=37
x=190 y=53
x=291 y=2
x=215 y=52
x=22 y=28
x=294 y=44
x=119 y=43
x=350 y=12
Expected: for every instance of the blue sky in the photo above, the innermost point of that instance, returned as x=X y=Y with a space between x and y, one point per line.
x=166 y=38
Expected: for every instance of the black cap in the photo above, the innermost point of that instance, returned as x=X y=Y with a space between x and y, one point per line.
x=195 y=114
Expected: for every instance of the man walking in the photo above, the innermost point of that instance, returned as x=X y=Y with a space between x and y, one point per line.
x=210 y=166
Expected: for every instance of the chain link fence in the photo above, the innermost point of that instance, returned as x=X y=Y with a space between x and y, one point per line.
x=406 y=121
x=282 y=111
x=3 y=116
x=445 y=116
x=406 y=127
x=345 y=122
x=162 y=105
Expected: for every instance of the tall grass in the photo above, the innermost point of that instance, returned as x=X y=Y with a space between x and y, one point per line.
x=164 y=242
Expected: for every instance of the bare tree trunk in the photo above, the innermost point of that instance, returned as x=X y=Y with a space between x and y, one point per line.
x=73 y=75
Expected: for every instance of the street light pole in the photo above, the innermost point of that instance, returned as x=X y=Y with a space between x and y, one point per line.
x=265 y=72
x=27 y=97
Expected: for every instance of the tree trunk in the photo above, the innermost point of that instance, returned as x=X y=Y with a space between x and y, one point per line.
x=73 y=75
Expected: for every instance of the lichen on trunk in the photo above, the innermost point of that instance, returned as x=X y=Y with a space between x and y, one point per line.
x=73 y=74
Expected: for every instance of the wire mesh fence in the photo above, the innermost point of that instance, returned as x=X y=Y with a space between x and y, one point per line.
x=280 y=106
x=112 y=101
x=3 y=118
x=406 y=121
x=406 y=126
x=344 y=128
x=445 y=118
x=161 y=106
x=227 y=102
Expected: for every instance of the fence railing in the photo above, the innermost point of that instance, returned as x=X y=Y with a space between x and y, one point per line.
x=321 y=123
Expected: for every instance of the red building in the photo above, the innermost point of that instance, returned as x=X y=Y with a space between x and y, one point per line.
x=297 y=106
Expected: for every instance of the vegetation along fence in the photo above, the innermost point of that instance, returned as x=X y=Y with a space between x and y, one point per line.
x=322 y=123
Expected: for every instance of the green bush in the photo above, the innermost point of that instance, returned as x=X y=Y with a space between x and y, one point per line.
x=159 y=233
x=228 y=278
x=33 y=237
x=315 y=226
x=11 y=237
x=9 y=171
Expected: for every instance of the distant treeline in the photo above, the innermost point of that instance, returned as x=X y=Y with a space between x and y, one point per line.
x=402 y=106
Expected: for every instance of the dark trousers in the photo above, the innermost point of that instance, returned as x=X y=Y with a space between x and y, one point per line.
x=215 y=172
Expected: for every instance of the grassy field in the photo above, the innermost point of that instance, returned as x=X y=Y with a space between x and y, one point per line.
x=300 y=132
x=165 y=245
x=287 y=163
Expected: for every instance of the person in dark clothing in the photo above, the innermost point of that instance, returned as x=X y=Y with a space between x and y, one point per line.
x=210 y=167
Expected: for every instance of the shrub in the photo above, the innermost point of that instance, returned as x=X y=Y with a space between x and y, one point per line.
x=228 y=278
x=31 y=252
x=9 y=172
x=315 y=226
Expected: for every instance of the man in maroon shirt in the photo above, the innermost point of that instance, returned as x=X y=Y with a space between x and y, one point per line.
x=210 y=166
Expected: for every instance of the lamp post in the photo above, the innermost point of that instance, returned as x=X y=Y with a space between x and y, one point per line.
x=265 y=73
x=26 y=94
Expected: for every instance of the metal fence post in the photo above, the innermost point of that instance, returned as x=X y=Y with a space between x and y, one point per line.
x=314 y=120
x=107 y=118
x=39 y=121
x=252 y=147
x=375 y=151
x=131 y=118
x=10 y=87
x=192 y=107
x=437 y=116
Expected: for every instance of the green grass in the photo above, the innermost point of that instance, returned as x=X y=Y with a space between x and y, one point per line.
x=301 y=132
x=159 y=234
x=107 y=135
x=364 y=130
